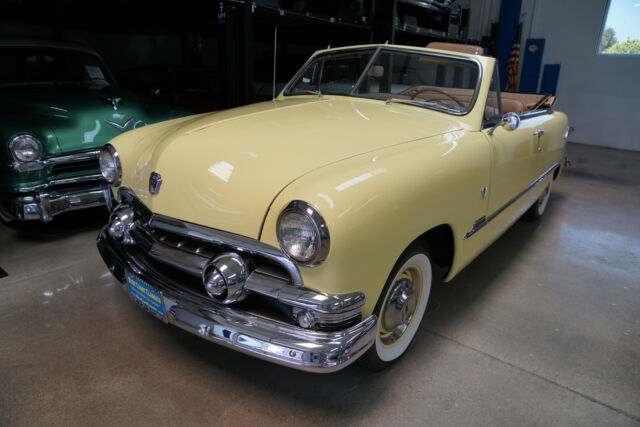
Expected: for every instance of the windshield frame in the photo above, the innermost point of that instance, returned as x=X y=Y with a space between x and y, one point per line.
x=377 y=52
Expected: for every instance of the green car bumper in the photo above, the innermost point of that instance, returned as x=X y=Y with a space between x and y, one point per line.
x=74 y=183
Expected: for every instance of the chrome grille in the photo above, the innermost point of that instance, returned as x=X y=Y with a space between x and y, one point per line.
x=179 y=251
x=88 y=165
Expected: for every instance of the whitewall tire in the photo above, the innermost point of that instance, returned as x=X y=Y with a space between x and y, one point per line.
x=537 y=209
x=400 y=309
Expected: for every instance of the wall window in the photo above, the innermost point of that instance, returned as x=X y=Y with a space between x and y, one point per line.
x=621 y=29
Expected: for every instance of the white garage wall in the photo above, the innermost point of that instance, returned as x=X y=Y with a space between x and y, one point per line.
x=600 y=93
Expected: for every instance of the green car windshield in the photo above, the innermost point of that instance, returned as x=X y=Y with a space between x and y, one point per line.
x=43 y=65
x=439 y=82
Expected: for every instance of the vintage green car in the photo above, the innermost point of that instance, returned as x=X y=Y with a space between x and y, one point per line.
x=60 y=104
x=308 y=230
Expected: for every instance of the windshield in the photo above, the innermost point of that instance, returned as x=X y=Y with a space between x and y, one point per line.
x=418 y=78
x=38 y=65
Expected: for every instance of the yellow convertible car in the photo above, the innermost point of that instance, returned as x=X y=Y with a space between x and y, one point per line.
x=306 y=230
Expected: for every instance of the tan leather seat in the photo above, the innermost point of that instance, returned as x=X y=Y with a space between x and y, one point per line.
x=512 y=106
x=456 y=47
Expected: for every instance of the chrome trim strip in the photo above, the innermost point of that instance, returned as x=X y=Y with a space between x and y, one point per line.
x=75 y=179
x=40 y=164
x=330 y=309
x=230 y=240
x=532 y=114
x=54 y=182
x=482 y=221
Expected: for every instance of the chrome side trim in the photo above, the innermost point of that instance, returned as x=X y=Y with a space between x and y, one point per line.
x=229 y=240
x=482 y=221
x=531 y=114
x=40 y=164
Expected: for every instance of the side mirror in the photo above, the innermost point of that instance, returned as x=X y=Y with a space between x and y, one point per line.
x=510 y=121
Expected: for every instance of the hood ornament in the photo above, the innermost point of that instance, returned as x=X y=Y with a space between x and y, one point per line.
x=121 y=127
x=115 y=102
x=155 y=180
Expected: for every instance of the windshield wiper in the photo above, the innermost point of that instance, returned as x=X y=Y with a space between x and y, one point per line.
x=307 y=91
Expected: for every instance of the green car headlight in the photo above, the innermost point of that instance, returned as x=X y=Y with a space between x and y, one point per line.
x=25 y=148
x=110 y=166
x=303 y=234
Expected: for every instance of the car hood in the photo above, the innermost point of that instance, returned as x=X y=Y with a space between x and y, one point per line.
x=76 y=113
x=224 y=169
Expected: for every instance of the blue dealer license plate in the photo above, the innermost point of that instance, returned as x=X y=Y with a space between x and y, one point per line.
x=145 y=295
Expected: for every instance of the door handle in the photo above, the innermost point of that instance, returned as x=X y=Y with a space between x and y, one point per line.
x=539 y=133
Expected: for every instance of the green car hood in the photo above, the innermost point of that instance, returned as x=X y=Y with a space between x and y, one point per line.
x=78 y=116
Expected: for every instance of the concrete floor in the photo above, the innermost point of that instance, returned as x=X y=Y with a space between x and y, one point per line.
x=543 y=328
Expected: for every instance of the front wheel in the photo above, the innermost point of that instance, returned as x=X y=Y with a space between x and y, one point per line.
x=400 y=309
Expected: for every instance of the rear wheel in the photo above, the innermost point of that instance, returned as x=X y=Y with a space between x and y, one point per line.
x=400 y=309
x=537 y=209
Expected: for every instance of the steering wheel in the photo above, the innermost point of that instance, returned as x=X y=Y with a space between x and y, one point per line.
x=442 y=91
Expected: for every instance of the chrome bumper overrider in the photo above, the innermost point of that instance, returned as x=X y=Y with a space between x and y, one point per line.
x=45 y=201
x=272 y=340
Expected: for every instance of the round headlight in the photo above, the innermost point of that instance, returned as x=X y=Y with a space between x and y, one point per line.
x=25 y=148
x=303 y=234
x=110 y=165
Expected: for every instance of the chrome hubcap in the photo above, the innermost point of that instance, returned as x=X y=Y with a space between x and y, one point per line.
x=400 y=306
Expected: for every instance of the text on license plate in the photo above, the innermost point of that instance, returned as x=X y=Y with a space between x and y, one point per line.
x=145 y=295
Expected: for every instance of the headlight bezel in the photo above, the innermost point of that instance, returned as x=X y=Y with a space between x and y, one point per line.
x=321 y=230
x=115 y=158
x=18 y=138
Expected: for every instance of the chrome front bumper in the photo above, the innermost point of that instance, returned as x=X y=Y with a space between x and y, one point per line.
x=45 y=201
x=278 y=342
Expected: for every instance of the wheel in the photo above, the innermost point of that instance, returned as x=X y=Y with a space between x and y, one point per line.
x=400 y=309
x=537 y=209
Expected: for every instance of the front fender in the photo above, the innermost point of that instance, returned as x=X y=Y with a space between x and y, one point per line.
x=377 y=204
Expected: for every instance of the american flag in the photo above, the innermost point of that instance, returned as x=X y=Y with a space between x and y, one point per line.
x=512 y=64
